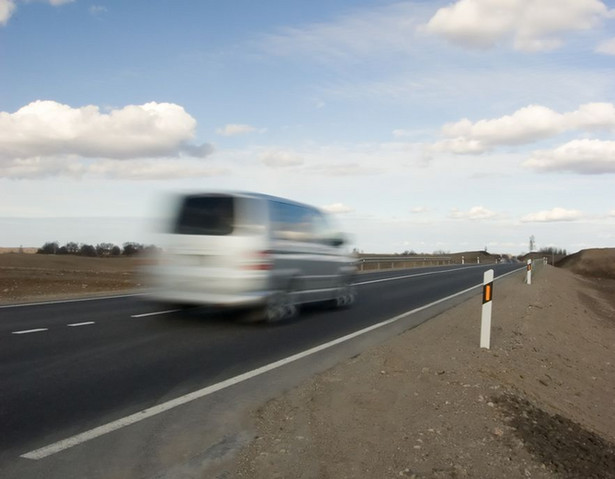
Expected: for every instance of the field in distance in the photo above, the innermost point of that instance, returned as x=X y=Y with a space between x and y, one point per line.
x=36 y=277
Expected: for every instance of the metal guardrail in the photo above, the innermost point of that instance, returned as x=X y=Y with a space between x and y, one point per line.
x=377 y=263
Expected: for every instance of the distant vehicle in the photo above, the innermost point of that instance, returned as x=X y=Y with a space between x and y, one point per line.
x=248 y=250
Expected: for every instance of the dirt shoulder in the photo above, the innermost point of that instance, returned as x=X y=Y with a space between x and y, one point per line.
x=431 y=404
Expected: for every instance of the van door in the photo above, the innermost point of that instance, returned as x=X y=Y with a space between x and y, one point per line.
x=217 y=238
x=329 y=256
x=301 y=253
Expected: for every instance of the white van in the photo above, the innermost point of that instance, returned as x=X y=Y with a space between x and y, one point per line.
x=251 y=250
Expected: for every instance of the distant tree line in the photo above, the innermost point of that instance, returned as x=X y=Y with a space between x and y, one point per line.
x=101 y=250
x=552 y=250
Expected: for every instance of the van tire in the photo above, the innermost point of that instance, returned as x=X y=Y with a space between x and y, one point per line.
x=279 y=307
x=346 y=296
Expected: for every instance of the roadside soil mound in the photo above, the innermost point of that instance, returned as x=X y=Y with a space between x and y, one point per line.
x=431 y=404
x=597 y=262
x=34 y=277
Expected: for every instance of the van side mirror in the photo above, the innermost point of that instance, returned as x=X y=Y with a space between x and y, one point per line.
x=336 y=240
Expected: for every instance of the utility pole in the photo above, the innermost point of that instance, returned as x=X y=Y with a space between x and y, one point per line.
x=532 y=243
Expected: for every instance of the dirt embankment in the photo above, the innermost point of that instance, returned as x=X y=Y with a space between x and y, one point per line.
x=431 y=404
x=594 y=263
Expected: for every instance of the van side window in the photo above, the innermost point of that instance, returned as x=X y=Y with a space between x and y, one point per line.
x=291 y=222
x=321 y=227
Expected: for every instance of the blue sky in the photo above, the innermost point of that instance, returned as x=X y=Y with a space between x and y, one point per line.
x=422 y=125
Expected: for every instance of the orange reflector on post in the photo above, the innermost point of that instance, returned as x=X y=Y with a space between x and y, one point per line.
x=487 y=292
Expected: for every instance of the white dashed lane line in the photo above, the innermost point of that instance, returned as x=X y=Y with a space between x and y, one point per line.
x=155 y=313
x=28 y=331
x=40 y=330
x=86 y=323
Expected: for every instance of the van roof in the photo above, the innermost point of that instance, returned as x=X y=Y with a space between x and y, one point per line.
x=248 y=194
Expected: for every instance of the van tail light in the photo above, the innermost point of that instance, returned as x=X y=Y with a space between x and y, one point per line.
x=258 y=261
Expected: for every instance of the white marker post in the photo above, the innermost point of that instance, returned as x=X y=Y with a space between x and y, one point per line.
x=485 y=323
x=528 y=275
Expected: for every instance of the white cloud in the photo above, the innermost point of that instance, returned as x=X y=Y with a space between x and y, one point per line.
x=337 y=208
x=48 y=128
x=234 y=129
x=418 y=209
x=46 y=138
x=607 y=47
x=578 y=156
x=554 y=215
x=533 y=25
x=458 y=146
x=474 y=213
x=612 y=213
x=8 y=7
x=526 y=125
x=280 y=158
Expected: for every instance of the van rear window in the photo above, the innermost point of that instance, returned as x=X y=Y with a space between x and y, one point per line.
x=206 y=215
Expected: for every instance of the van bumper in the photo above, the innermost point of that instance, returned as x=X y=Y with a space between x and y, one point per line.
x=221 y=288
x=208 y=299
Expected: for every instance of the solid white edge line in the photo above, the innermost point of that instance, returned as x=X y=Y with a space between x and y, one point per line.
x=27 y=331
x=85 y=323
x=155 y=410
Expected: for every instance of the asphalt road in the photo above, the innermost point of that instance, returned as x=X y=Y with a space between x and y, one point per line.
x=68 y=367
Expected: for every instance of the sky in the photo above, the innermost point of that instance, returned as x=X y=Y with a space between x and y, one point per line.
x=421 y=125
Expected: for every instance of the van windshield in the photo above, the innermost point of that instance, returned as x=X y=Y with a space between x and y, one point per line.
x=206 y=215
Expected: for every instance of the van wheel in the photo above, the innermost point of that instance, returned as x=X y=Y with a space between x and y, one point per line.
x=346 y=296
x=279 y=307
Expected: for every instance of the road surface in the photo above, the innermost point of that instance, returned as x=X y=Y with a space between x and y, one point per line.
x=69 y=367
